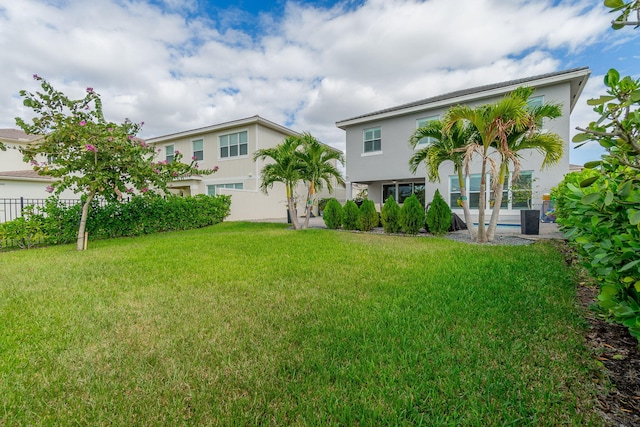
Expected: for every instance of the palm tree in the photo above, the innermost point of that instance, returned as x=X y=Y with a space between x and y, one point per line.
x=286 y=168
x=318 y=168
x=493 y=123
x=528 y=137
x=440 y=148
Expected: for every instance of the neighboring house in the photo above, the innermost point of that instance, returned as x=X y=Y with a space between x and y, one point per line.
x=230 y=146
x=378 y=152
x=17 y=178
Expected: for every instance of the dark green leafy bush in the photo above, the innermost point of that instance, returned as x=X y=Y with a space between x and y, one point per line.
x=332 y=214
x=368 y=218
x=439 y=215
x=412 y=215
x=142 y=215
x=390 y=215
x=350 y=214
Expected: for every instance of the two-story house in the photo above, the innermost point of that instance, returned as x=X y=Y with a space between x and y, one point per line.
x=378 y=152
x=230 y=146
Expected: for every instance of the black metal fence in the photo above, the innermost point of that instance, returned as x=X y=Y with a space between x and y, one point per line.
x=11 y=209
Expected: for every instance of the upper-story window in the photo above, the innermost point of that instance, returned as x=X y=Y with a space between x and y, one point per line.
x=234 y=145
x=372 y=140
x=198 y=149
x=535 y=101
x=169 y=153
x=422 y=123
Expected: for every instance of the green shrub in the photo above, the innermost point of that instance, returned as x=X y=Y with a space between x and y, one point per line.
x=368 y=218
x=144 y=214
x=412 y=215
x=390 y=215
x=439 y=215
x=23 y=232
x=332 y=214
x=350 y=214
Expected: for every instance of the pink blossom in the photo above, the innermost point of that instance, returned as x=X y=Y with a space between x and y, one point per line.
x=36 y=77
x=159 y=150
x=141 y=123
x=33 y=163
x=129 y=190
x=110 y=129
x=144 y=189
x=82 y=123
x=193 y=158
x=89 y=89
x=176 y=152
x=91 y=147
x=215 y=168
x=49 y=189
x=197 y=166
x=109 y=139
x=156 y=170
x=175 y=174
x=143 y=144
x=166 y=162
x=130 y=136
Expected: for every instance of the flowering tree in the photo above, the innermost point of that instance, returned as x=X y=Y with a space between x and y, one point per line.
x=90 y=155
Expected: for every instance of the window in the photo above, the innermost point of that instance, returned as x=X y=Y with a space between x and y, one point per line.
x=169 y=153
x=513 y=197
x=424 y=122
x=234 y=145
x=535 y=101
x=401 y=191
x=372 y=140
x=198 y=149
x=212 y=189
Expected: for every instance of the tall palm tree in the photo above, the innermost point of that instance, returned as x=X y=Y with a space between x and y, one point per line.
x=493 y=123
x=528 y=137
x=442 y=147
x=285 y=168
x=318 y=168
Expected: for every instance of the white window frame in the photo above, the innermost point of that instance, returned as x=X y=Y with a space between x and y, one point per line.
x=201 y=150
x=212 y=189
x=421 y=123
x=225 y=141
x=169 y=153
x=372 y=140
x=506 y=191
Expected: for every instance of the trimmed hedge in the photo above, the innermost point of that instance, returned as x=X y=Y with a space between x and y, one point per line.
x=332 y=214
x=412 y=215
x=368 y=218
x=146 y=214
x=390 y=215
x=350 y=215
x=439 y=215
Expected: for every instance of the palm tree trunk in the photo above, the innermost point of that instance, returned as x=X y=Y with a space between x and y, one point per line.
x=482 y=202
x=309 y=205
x=83 y=220
x=497 y=197
x=292 y=207
x=465 y=206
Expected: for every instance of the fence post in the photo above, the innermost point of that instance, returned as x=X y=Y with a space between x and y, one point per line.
x=21 y=205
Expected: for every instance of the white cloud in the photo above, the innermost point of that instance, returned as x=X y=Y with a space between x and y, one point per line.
x=309 y=68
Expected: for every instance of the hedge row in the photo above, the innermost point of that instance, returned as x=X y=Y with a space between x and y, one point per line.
x=57 y=223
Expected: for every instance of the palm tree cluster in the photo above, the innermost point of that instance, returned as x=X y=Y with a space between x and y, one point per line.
x=496 y=133
x=300 y=158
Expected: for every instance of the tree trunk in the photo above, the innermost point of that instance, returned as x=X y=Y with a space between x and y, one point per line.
x=465 y=206
x=292 y=208
x=497 y=197
x=83 y=220
x=482 y=202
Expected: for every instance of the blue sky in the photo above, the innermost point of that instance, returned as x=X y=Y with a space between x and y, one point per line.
x=182 y=64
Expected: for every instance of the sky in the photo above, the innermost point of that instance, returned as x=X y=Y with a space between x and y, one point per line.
x=182 y=64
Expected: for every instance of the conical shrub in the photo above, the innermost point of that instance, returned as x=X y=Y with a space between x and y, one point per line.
x=412 y=215
x=390 y=215
x=439 y=215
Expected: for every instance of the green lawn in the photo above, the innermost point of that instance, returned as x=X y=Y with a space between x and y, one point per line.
x=245 y=324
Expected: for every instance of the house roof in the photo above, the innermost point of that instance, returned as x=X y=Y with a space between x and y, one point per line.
x=24 y=175
x=222 y=126
x=17 y=135
x=577 y=78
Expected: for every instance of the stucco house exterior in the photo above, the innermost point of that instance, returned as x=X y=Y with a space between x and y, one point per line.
x=230 y=146
x=17 y=178
x=378 y=153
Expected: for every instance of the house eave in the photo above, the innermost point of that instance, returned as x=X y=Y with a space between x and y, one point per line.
x=576 y=77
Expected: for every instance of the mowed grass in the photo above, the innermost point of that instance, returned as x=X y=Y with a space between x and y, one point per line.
x=254 y=324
